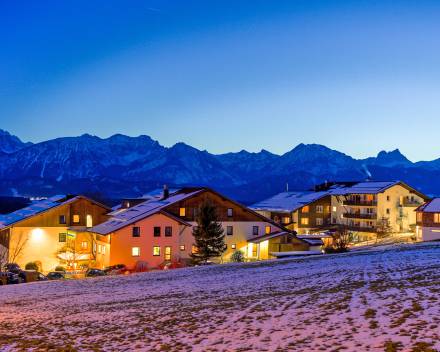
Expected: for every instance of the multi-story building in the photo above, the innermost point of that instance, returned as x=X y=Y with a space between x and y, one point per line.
x=53 y=232
x=364 y=208
x=367 y=208
x=428 y=221
x=159 y=230
x=304 y=212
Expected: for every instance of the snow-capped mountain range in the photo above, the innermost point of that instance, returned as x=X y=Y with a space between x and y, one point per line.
x=122 y=166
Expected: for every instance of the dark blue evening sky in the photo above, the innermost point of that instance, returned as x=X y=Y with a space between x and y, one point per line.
x=357 y=76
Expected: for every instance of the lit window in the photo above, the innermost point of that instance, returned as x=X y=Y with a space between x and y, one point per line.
x=62 y=219
x=286 y=219
x=168 y=231
x=437 y=217
x=194 y=249
x=89 y=221
x=135 y=251
x=334 y=208
x=305 y=209
x=182 y=212
x=84 y=245
x=254 y=250
x=230 y=212
x=304 y=221
x=156 y=231
x=182 y=247
x=99 y=249
x=103 y=249
x=167 y=253
x=268 y=230
x=94 y=247
x=319 y=209
x=62 y=237
x=419 y=217
x=156 y=251
x=233 y=246
x=319 y=221
x=229 y=230
x=136 y=231
x=255 y=230
x=76 y=219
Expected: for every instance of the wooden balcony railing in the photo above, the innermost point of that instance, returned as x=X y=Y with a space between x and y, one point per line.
x=359 y=216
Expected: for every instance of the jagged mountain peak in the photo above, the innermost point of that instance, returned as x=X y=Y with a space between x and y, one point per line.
x=10 y=143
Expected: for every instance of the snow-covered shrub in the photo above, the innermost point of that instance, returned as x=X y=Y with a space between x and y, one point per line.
x=237 y=257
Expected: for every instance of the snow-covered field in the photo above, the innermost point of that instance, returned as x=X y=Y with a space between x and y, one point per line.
x=376 y=301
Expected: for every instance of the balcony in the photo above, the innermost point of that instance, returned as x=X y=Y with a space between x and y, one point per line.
x=359 y=216
x=356 y=202
x=410 y=203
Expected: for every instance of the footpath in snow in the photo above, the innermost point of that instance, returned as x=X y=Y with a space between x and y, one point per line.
x=382 y=300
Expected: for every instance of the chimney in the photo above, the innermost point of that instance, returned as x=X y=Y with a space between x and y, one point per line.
x=166 y=192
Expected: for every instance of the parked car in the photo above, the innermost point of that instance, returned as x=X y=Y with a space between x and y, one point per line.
x=95 y=273
x=55 y=275
x=9 y=278
x=41 y=277
x=118 y=269
x=15 y=274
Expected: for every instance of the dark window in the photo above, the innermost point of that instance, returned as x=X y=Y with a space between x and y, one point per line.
x=136 y=231
x=168 y=231
x=255 y=230
x=229 y=230
x=388 y=211
x=63 y=219
x=230 y=212
x=156 y=231
x=62 y=237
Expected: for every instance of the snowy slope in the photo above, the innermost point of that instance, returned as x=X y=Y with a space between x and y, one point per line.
x=354 y=302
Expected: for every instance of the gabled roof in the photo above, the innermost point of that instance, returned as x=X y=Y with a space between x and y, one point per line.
x=39 y=207
x=371 y=187
x=150 y=207
x=433 y=206
x=289 y=201
x=144 y=210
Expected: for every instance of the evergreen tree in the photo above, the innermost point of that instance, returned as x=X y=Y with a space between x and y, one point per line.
x=208 y=234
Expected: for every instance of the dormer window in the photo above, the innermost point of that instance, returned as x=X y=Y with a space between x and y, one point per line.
x=182 y=212
x=75 y=219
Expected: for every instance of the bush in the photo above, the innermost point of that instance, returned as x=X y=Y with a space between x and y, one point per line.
x=31 y=266
x=237 y=257
x=331 y=250
x=60 y=268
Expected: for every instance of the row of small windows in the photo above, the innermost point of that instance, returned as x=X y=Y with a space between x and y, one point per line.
x=136 y=251
x=76 y=220
x=157 y=231
x=318 y=209
x=182 y=212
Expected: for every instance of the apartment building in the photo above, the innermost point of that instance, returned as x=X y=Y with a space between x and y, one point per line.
x=159 y=230
x=304 y=212
x=370 y=207
x=53 y=232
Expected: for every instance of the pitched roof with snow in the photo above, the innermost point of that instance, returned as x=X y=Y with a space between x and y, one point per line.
x=289 y=201
x=144 y=210
x=368 y=187
x=432 y=206
x=35 y=208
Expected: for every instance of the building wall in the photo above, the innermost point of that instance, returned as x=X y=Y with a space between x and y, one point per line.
x=310 y=214
x=37 y=238
x=392 y=204
x=430 y=233
x=122 y=241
